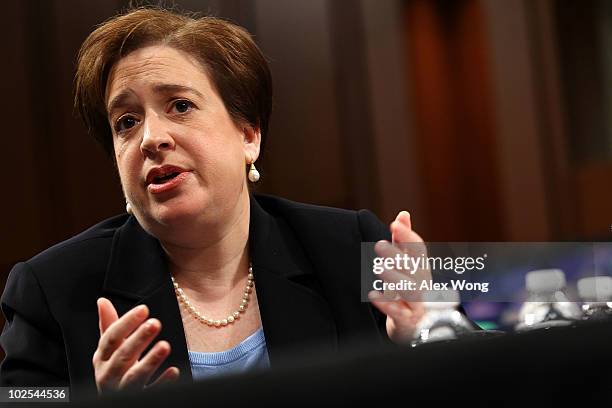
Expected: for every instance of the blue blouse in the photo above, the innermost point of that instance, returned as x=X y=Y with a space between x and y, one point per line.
x=250 y=354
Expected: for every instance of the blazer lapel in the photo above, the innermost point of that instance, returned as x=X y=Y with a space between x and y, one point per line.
x=293 y=315
x=138 y=274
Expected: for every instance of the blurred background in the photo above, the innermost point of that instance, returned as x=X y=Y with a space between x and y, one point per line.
x=489 y=120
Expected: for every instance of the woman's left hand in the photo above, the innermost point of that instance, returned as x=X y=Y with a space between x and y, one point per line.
x=405 y=310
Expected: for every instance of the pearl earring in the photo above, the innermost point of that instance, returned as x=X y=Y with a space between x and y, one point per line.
x=253 y=174
x=128 y=208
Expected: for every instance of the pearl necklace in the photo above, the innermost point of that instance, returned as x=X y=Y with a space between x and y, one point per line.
x=232 y=316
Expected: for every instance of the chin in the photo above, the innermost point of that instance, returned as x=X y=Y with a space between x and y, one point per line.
x=169 y=215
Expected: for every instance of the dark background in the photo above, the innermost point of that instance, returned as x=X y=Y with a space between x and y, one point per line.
x=489 y=120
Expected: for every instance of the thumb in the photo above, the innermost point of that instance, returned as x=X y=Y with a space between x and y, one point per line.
x=401 y=228
x=107 y=314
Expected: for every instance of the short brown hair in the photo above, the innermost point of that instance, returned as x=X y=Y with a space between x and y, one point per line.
x=227 y=52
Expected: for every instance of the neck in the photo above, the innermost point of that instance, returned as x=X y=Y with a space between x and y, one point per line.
x=219 y=258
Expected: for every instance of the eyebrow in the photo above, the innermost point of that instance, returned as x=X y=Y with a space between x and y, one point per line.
x=121 y=99
x=171 y=88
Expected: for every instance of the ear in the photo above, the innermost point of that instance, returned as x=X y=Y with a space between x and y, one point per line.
x=252 y=143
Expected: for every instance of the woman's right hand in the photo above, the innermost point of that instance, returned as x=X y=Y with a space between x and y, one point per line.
x=117 y=361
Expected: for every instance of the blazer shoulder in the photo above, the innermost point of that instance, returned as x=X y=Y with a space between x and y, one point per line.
x=80 y=248
x=363 y=222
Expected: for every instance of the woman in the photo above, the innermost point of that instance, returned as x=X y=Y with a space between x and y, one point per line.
x=200 y=276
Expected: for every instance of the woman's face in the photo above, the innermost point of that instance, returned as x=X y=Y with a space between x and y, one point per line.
x=181 y=157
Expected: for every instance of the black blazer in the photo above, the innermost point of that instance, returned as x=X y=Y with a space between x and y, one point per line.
x=306 y=260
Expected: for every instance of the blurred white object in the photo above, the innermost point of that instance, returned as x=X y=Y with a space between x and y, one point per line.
x=442 y=320
x=547 y=304
x=545 y=280
x=596 y=292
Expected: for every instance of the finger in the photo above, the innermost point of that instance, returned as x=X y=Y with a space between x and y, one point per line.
x=107 y=314
x=386 y=249
x=114 y=336
x=400 y=310
x=386 y=296
x=402 y=234
x=131 y=349
x=400 y=227
x=403 y=218
x=414 y=249
x=169 y=375
x=394 y=309
x=409 y=289
x=140 y=373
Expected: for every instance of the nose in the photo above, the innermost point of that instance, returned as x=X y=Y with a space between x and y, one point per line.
x=156 y=137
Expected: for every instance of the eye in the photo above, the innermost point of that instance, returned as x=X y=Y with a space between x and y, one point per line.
x=182 y=106
x=125 y=123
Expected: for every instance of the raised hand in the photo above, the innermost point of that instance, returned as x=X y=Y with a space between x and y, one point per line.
x=405 y=310
x=117 y=360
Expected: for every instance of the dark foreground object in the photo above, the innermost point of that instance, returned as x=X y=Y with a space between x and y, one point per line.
x=529 y=369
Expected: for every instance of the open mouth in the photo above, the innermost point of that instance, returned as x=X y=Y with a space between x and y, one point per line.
x=163 y=179
x=164 y=175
